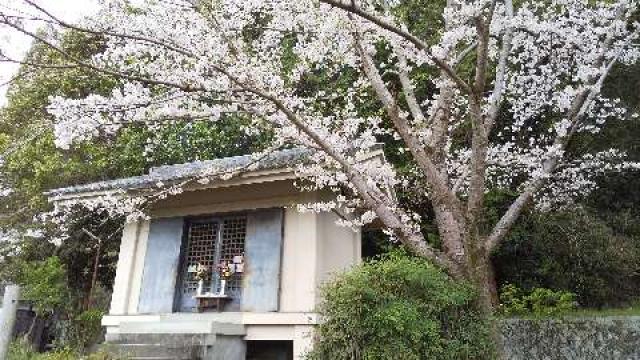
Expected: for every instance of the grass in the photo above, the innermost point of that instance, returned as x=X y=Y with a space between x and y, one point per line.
x=629 y=311
x=20 y=350
x=632 y=310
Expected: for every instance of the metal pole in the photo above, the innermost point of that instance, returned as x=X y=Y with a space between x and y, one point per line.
x=8 y=317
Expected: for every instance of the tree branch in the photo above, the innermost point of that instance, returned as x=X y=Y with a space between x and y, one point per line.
x=353 y=9
x=479 y=134
x=580 y=103
x=498 y=88
x=442 y=197
x=388 y=212
x=407 y=87
x=110 y=33
x=464 y=53
x=578 y=108
x=183 y=87
x=439 y=185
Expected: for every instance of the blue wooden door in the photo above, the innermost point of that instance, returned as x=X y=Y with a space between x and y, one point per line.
x=161 y=266
x=263 y=248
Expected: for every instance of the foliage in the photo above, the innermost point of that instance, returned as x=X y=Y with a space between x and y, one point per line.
x=37 y=165
x=632 y=310
x=32 y=164
x=575 y=251
x=501 y=116
x=84 y=330
x=398 y=307
x=20 y=350
x=539 y=301
x=44 y=284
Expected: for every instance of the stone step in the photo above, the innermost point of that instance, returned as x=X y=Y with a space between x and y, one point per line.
x=172 y=340
x=155 y=351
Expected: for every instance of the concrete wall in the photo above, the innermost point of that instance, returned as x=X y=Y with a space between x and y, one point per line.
x=299 y=262
x=611 y=338
x=129 y=271
x=339 y=248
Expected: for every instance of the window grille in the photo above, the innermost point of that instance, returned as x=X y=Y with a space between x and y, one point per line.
x=233 y=235
x=202 y=243
x=211 y=243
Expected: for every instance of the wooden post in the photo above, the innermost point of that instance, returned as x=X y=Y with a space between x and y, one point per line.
x=96 y=266
x=8 y=317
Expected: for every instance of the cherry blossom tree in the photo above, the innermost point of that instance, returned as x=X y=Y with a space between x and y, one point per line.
x=512 y=86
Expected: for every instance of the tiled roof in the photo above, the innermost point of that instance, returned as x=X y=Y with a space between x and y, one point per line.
x=172 y=173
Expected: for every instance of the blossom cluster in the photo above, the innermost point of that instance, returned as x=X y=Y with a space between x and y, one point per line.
x=201 y=60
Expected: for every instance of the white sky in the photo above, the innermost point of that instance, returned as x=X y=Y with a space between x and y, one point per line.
x=16 y=45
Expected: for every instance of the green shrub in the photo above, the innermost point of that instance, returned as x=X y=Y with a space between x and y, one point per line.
x=84 y=330
x=547 y=302
x=399 y=307
x=574 y=251
x=44 y=284
x=512 y=301
x=21 y=350
x=539 y=302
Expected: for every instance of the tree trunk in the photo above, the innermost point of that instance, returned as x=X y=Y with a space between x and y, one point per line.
x=484 y=279
x=487 y=286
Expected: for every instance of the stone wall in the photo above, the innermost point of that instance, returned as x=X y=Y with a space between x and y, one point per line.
x=585 y=338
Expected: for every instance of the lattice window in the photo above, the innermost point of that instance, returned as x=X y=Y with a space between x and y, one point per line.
x=211 y=243
x=233 y=234
x=202 y=243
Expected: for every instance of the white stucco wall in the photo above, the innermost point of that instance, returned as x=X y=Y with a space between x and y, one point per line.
x=126 y=285
x=299 y=262
x=339 y=247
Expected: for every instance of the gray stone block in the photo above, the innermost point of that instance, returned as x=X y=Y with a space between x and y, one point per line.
x=226 y=348
x=611 y=338
x=177 y=346
x=157 y=351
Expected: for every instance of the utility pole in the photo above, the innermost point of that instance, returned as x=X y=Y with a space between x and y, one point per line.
x=8 y=317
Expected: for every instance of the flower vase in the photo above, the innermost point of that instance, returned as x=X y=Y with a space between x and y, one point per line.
x=223 y=285
x=200 y=287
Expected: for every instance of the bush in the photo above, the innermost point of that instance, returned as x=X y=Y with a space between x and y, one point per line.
x=84 y=330
x=399 y=307
x=21 y=350
x=573 y=251
x=540 y=301
x=44 y=284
